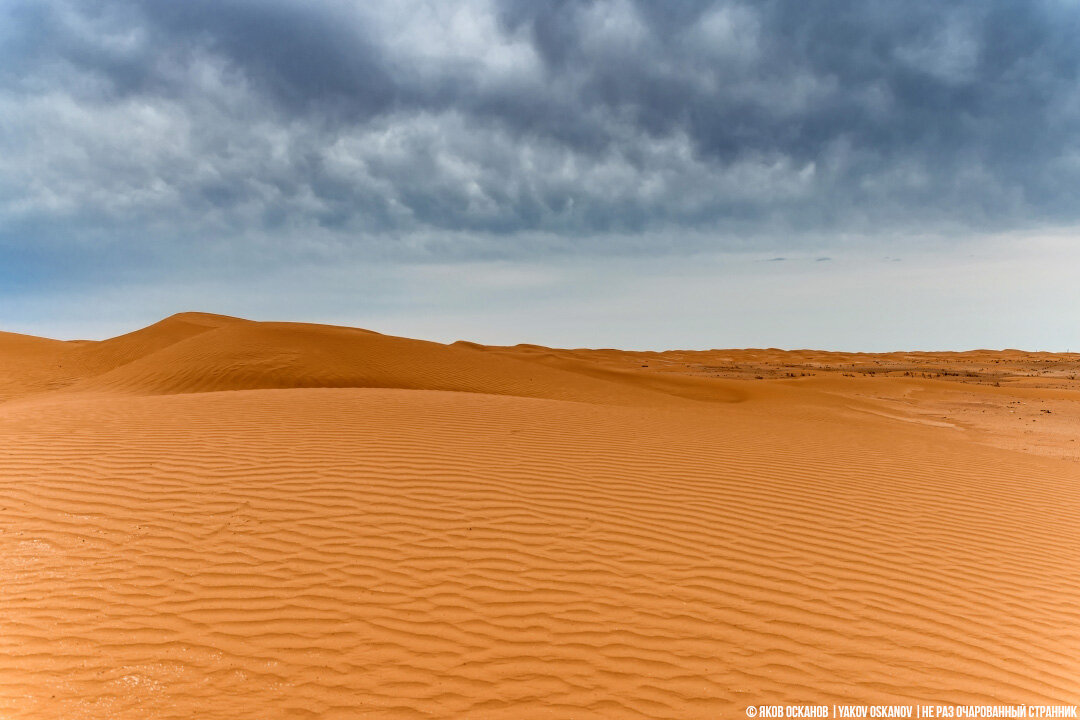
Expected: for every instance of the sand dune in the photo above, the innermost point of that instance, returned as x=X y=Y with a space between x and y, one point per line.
x=218 y=518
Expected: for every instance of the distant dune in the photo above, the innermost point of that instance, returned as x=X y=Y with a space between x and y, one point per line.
x=218 y=518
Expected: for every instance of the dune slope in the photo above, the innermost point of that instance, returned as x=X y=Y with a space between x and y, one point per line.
x=227 y=519
x=253 y=356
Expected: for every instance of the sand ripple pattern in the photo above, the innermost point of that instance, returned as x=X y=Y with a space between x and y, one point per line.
x=391 y=553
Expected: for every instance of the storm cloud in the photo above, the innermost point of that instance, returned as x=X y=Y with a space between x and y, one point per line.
x=413 y=125
x=211 y=134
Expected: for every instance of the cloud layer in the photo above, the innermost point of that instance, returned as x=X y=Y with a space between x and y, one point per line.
x=412 y=129
x=573 y=171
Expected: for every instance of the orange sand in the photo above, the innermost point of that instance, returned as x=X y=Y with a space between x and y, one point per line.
x=217 y=518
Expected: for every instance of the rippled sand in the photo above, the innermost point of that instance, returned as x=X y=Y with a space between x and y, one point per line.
x=216 y=518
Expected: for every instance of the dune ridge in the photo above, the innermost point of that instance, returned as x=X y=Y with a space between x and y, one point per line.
x=220 y=518
x=199 y=352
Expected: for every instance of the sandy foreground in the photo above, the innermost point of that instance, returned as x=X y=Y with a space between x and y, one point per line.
x=217 y=518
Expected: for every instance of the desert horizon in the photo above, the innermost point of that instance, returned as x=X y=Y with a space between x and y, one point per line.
x=539 y=359
x=216 y=517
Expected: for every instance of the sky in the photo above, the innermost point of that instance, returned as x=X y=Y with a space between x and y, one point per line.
x=857 y=175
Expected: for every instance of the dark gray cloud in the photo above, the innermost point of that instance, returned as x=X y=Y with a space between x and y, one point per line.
x=274 y=129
